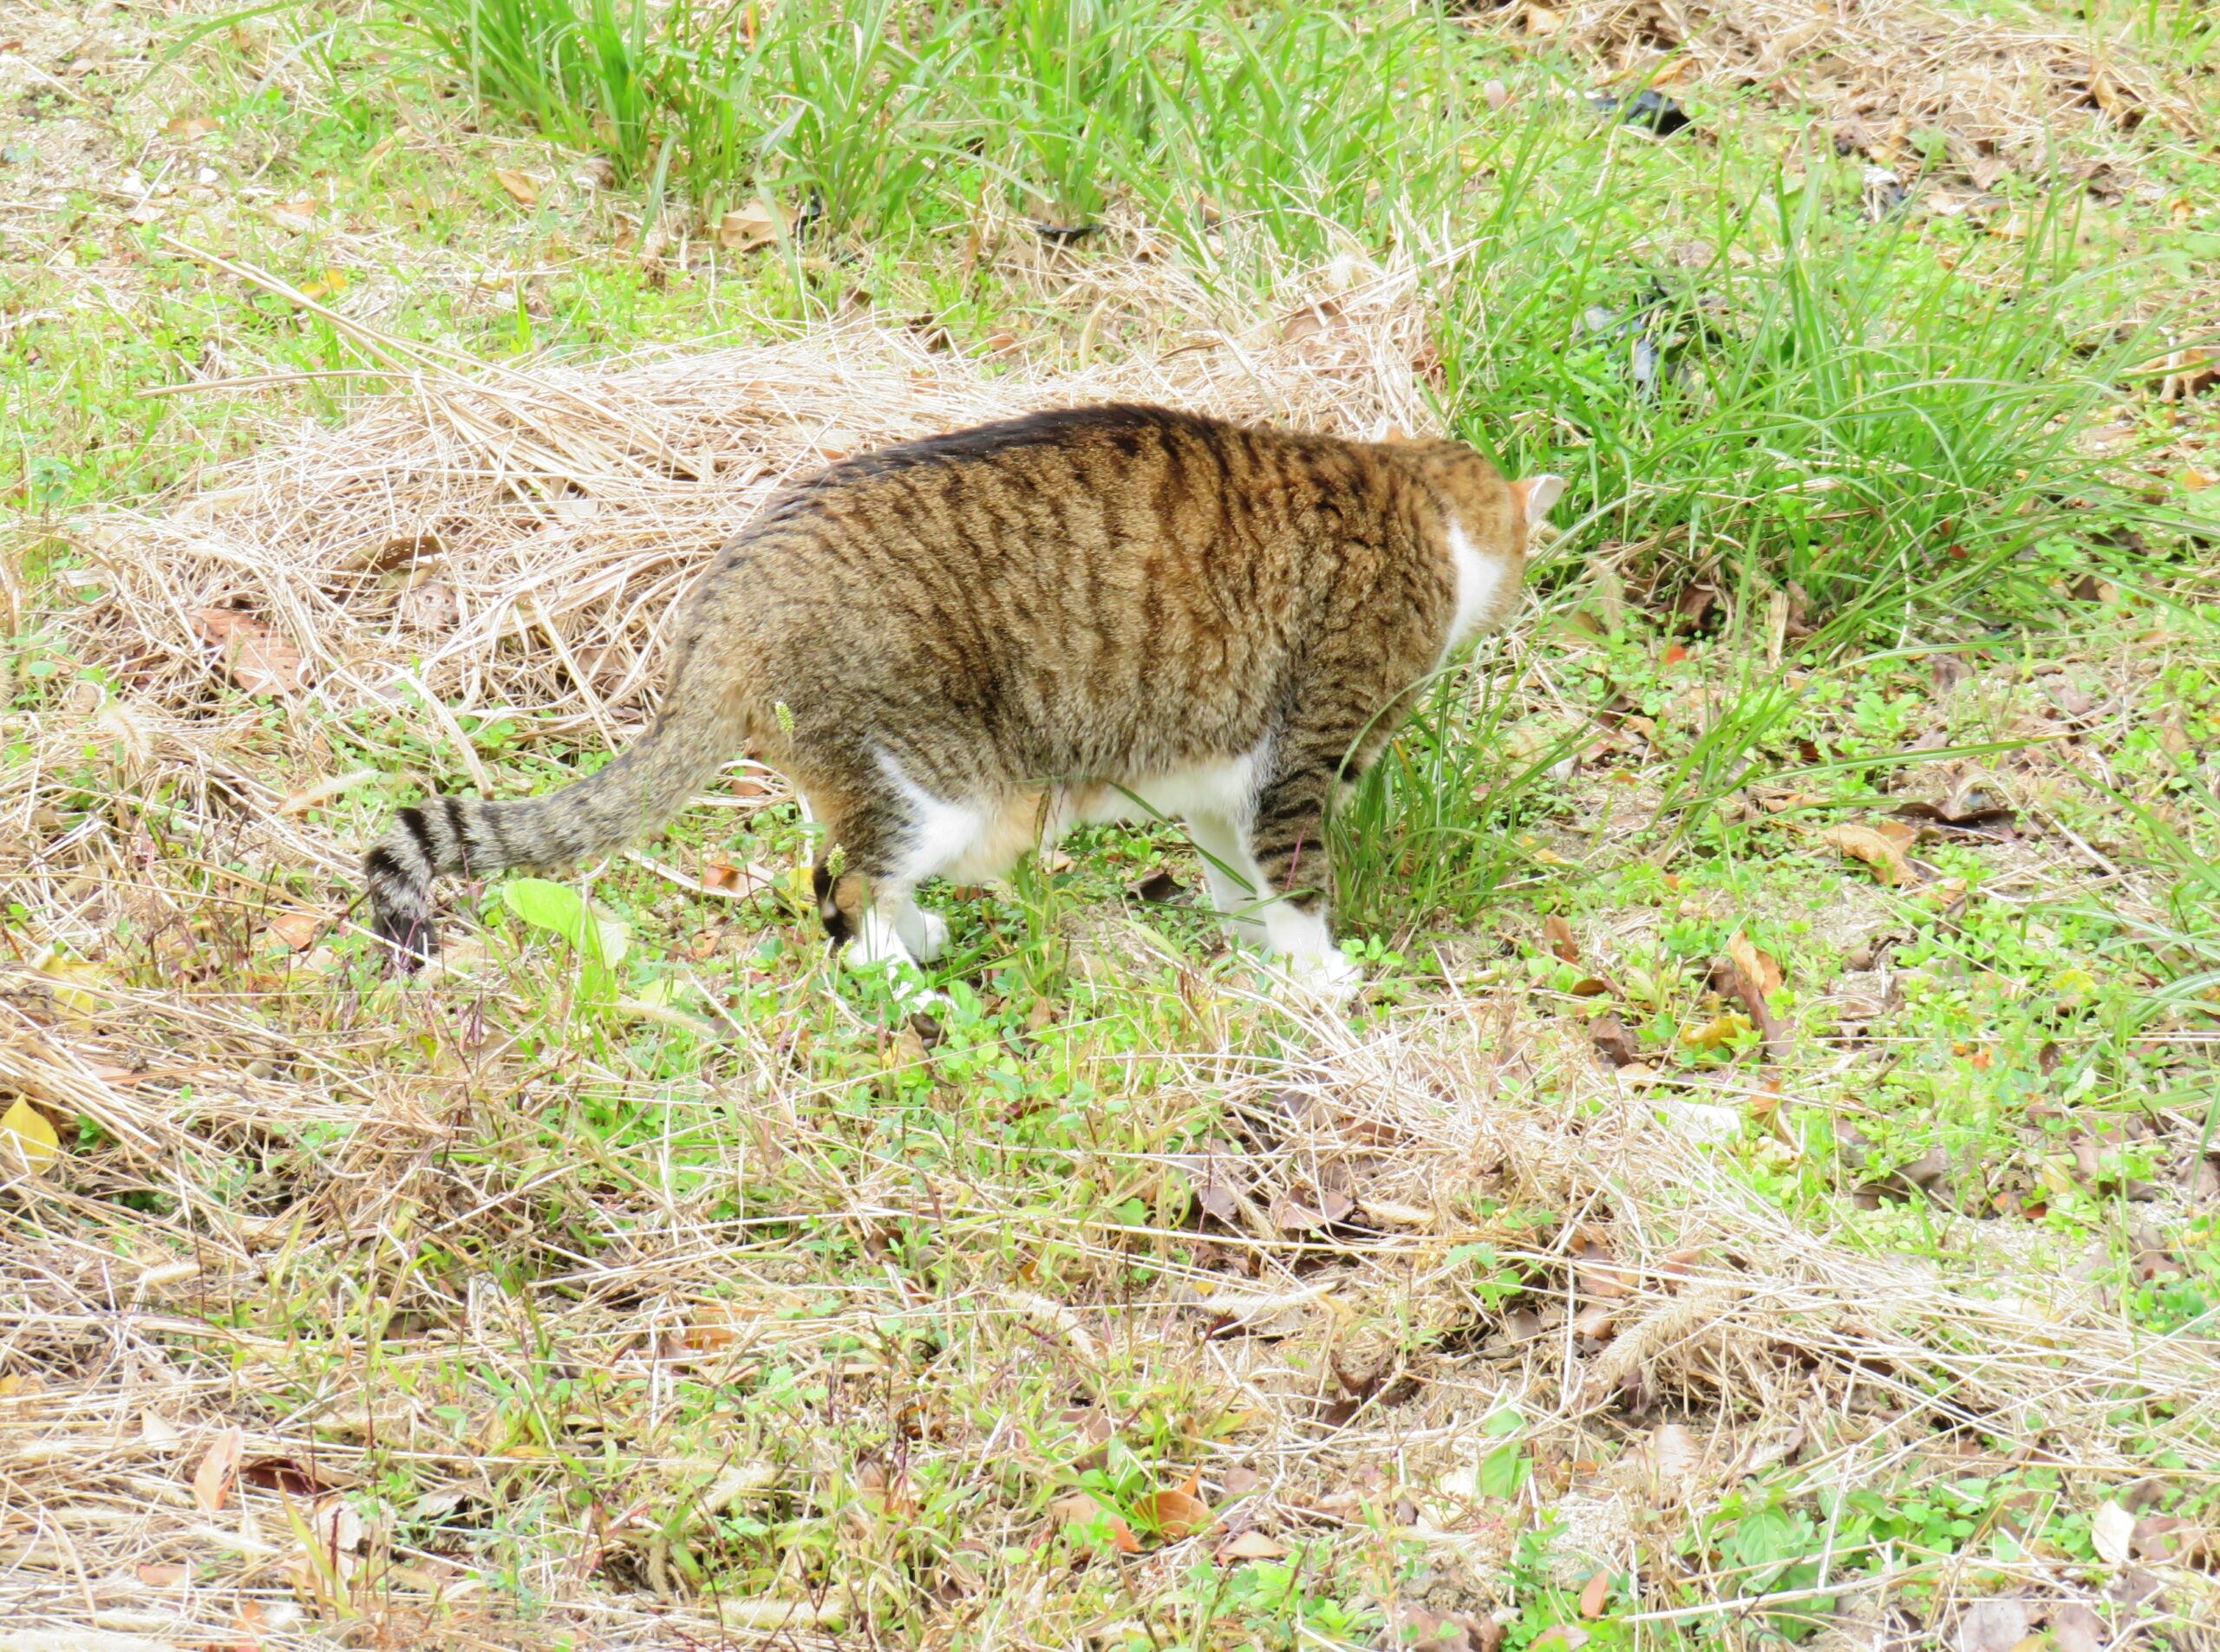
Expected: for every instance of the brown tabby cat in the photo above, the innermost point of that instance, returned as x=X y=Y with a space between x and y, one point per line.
x=956 y=648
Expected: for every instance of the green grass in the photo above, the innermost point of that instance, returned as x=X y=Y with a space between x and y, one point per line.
x=1228 y=126
x=690 y=1276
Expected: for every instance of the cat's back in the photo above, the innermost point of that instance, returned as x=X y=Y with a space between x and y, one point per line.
x=1082 y=491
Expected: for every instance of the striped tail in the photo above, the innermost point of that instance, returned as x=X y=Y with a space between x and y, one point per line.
x=650 y=781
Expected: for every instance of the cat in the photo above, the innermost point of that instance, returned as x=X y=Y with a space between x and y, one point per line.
x=958 y=647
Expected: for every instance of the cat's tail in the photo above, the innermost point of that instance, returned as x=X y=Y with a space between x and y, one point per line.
x=638 y=792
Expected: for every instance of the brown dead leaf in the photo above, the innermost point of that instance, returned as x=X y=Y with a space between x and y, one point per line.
x=211 y=1481
x=752 y=227
x=1674 y=1453
x=1754 y=976
x=1251 y=1545
x=1560 y=1637
x=1761 y=968
x=254 y=657
x=298 y=930
x=755 y=790
x=1418 y=1630
x=1562 y=942
x=1175 y=1513
x=1996 y=1625
x=1540 y=20
x=1593 y=1322
x=284 y=1475
x=1880 y=845
x=1595 y=1594
x=719 y=872
x=1081 y=1510
x=1593 y=1264
x=522 y=187
x=2074 y=1628
x=162 y=1576
x=2115 y=97
x=1290 y=1215
x=1614 y=1040
x=297 y=217
x=1308 y=322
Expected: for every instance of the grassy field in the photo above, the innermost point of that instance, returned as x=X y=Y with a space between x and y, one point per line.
x=1768 y=1192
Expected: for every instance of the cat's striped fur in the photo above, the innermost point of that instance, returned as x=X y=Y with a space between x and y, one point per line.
x=958 y=646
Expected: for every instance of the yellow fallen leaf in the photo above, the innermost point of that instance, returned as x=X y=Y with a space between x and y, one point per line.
x=74 y=981
x=521 y=187
x=28 y=1138
x=1880 y=845
x=1721 y=1029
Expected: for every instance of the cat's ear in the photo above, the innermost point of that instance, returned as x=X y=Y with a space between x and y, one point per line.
x=1536 y=494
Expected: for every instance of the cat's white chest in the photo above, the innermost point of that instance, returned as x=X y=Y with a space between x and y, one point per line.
x=1479 y=582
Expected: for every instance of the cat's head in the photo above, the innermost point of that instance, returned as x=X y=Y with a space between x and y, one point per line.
x=1474 y=490
x=1534 y=495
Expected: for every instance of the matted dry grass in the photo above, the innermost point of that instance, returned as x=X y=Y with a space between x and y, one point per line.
x=278 y=1153
x=1999 y=87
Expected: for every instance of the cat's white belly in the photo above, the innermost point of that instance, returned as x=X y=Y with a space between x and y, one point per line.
x=1219 y=791
x=971 y=842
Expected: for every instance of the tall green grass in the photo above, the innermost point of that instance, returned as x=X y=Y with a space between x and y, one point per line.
x=1286 y=124
x=1831 y=406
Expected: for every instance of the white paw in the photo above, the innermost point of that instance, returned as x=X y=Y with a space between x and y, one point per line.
x=1247 y=933
x=1331 y=977
x=931 y=939
x=877 y=944
x=903 y=981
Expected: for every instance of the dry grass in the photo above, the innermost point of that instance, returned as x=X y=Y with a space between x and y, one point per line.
x=1999 y=88
x=510 y=539
x=370 y=1232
